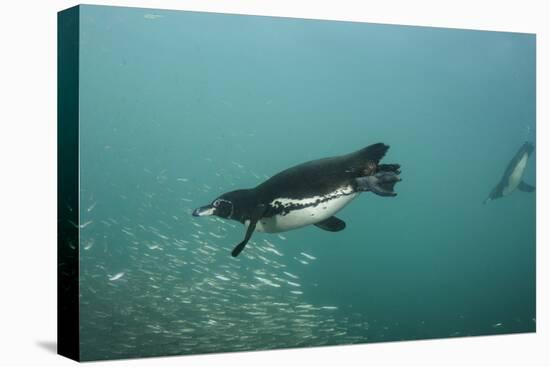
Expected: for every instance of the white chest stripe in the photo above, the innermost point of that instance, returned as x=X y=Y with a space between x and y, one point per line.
x=345 y=190
x=314 y=210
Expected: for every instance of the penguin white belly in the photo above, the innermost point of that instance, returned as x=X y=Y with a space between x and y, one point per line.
x=516 y=176
x=312 y=212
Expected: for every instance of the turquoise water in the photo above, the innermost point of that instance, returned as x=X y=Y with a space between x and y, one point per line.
x=177 y=108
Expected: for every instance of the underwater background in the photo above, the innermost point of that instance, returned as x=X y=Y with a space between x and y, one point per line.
x=177 y=108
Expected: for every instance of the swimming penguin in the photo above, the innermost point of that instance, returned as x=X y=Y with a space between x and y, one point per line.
x=513 y=175
x=309 y=193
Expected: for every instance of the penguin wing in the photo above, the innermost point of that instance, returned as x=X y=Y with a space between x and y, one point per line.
x=257 y=213
x=525 y=187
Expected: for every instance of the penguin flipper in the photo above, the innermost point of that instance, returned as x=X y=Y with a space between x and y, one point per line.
x=237 y=250
x=331 y=224
x=525 y=187
x=256 y=215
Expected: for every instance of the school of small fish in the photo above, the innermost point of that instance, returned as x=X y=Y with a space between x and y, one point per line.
x=154 y=281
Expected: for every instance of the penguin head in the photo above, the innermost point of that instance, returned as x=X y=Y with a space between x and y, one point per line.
x=226 y=206
x=220 y=207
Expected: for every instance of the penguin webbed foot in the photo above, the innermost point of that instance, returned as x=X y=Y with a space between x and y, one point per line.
x=381 y=183
x=331 y=224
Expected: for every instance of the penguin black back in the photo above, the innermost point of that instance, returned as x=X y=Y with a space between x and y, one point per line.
x=322 y=175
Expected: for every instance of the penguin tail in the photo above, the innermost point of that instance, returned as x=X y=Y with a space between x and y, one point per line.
x=374 y=152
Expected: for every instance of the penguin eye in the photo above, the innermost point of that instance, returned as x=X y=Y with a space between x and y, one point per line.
x=224 y=208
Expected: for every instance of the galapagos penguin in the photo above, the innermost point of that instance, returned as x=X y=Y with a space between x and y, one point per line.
x=309 y=193
x=513 y=176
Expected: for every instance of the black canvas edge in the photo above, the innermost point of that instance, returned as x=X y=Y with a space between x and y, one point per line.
x=68 y=341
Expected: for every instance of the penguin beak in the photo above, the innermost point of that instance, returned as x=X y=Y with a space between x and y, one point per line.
x=203 y=211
